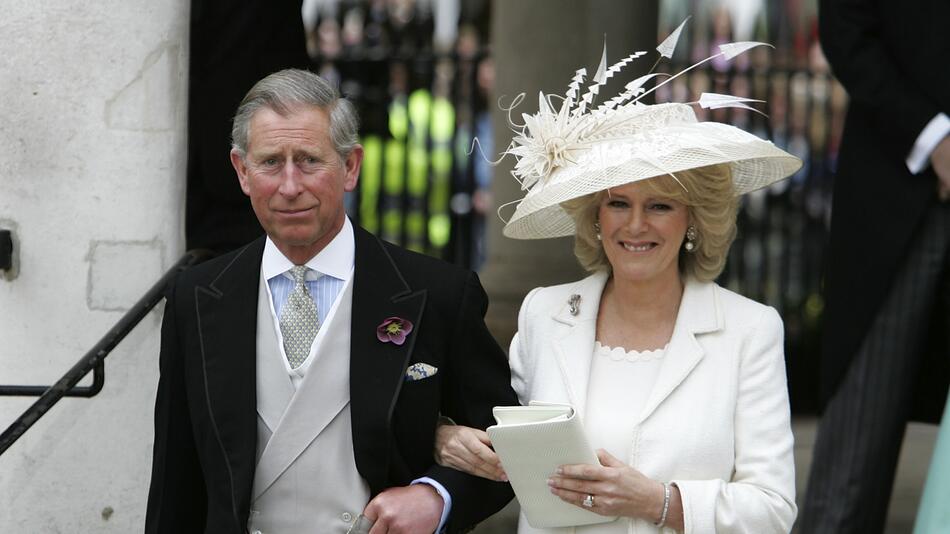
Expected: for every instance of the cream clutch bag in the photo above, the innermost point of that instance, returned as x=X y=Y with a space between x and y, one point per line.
x=532 y=441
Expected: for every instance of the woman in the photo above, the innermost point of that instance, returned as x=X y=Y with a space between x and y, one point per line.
x=680 y=383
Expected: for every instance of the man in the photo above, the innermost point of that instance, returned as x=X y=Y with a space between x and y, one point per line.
x=303 y=375
x=890 y=239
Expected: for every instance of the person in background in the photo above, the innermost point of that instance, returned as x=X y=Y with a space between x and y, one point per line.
x=934 y=514
x=887 y=279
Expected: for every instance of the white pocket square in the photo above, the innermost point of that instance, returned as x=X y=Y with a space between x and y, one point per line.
x=418 y=371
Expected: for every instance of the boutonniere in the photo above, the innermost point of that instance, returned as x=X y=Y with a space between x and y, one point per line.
x=394 y=329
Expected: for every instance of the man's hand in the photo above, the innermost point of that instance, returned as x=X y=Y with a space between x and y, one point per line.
x=413 y=509
x=940 y=161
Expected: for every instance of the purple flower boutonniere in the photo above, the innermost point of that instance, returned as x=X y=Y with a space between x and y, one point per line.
x=393 y=329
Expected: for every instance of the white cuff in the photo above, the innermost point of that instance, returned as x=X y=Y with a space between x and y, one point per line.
x=446 y=499
x=919 y=158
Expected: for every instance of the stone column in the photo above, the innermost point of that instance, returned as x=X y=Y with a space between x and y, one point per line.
x=92 y=163
x=537 y=45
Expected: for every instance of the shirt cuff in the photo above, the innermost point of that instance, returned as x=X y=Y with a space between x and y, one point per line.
x=919 y=158
x=446 y=499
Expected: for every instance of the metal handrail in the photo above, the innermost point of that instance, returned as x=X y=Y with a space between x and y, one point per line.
x=93 y=360
x=98 y=380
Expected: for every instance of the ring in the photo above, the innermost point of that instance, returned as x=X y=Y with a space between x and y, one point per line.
x=588 y=501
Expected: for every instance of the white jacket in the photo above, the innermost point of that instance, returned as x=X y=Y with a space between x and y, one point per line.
x=717 y=421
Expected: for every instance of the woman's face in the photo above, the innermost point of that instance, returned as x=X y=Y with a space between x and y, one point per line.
x=642 y=233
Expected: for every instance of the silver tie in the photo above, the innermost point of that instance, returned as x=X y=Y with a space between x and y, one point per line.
x=298 y=320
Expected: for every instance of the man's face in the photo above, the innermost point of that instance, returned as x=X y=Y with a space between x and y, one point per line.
x=295 y=179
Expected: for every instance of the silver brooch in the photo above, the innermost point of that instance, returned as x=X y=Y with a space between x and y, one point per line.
x=575 y=303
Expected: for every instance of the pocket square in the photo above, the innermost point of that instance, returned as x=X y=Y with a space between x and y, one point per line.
x=418 y=371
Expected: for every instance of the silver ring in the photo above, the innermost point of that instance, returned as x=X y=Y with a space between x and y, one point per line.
x=588 y=501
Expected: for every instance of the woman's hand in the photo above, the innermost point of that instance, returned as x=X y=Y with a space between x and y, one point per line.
x=469 y=450
x=616 y=489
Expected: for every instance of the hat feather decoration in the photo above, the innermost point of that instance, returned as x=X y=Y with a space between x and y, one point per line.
x=578 y=147
x=550 y=139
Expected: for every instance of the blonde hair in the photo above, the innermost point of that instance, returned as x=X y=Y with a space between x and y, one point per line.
x=710 y=201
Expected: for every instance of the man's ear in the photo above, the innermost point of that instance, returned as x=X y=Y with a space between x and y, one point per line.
x=351 y=168
x=240 y=167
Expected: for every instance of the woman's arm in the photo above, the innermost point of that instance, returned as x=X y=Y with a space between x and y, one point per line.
x=469 y=449
x=760 y=497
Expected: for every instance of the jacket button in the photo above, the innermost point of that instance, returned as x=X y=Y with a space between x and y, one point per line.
x=346 y=517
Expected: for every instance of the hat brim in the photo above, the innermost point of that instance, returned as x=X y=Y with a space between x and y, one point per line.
x=755 y=163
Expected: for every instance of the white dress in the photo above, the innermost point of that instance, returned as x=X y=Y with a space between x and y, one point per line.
x=624 y=382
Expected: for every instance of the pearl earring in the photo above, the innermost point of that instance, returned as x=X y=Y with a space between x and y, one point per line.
x=691 y=235
x=597 y=229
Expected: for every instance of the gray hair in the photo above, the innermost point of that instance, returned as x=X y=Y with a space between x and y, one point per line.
x=284 y=90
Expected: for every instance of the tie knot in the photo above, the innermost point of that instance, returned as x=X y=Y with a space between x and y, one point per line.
x=299 y=272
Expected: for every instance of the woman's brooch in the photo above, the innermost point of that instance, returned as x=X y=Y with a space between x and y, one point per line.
x=575 y=303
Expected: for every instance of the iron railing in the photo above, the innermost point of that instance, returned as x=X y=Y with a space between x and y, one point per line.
x=92 y=361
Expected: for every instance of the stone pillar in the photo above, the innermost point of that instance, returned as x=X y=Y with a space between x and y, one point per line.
x=92 y=163
x=537 y=45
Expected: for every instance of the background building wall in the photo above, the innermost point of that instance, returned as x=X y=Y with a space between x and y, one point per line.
x=538 y=45
x=92 y=154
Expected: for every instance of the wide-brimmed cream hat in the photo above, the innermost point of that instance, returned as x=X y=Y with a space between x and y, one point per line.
x=573 y=152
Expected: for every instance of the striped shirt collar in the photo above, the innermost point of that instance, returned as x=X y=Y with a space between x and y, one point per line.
x=336 y=259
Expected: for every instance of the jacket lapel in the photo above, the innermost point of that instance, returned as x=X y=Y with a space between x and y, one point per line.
x=574 y=337
x=376 y=368
x=227 y=321
x=699 y=313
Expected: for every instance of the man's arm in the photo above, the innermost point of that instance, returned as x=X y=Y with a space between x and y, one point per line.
x=176 y=497
x=930 y=149
x=940 y=161
x=853 y=39
x=477 y=380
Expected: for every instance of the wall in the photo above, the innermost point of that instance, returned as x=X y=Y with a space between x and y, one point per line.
x=538 y=45
x=92 y=163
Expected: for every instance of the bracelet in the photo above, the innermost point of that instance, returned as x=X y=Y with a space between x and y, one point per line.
x=666 y=505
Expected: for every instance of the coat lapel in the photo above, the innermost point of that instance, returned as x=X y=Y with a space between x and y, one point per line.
x=574 y=337
x=227 y=321
x=376 y=368
x=699 y=313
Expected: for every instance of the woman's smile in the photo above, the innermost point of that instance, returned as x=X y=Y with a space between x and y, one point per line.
x=638 y=246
